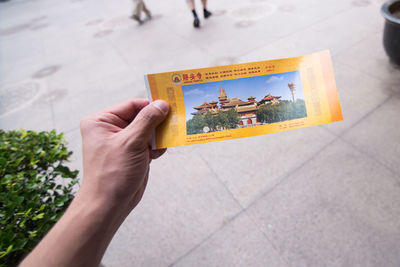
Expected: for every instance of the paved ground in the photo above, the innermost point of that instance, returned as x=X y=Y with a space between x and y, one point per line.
x=321 y=196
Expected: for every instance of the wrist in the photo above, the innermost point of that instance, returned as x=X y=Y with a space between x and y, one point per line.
x=84 y=231
x=99 y=205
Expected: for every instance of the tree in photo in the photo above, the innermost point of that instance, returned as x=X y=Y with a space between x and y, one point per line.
x=210 y=121
x=196 y=124
x=232 y=118
x=282 y=112
x=223 y=120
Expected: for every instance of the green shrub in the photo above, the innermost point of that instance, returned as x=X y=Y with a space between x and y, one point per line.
x=282 y=112
x=221 y=120
x=35 y=189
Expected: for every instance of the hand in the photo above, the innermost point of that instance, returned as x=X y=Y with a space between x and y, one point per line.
x=116 y=158
x=117 y=151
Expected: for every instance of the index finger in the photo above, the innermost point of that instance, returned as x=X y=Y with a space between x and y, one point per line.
x=128 y=109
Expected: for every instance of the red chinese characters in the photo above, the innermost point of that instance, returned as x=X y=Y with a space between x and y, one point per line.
x=192 y=77
x=270 y=68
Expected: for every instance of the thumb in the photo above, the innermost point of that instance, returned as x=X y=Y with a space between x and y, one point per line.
x=147 y=120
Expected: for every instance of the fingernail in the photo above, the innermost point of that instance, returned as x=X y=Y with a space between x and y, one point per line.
x=162 y=106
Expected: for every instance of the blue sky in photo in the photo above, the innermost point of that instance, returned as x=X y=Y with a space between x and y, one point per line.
x=258 y=86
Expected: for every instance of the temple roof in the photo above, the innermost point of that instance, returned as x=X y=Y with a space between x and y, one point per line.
x=269 y=97
x=233 y=102
x=246 y=108
x=206 y=105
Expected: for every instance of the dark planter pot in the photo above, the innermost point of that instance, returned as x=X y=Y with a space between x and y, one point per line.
x=391 y=36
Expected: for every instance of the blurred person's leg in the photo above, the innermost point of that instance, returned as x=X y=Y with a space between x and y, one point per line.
x=196 y=22
x=146 y=11
x=138 y=11
x=206 y=12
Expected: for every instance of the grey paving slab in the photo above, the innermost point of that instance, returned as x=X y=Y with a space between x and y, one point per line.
x=35 y=117
x=340 y=209
x=238 y=243
x=251 y=166
x=83 y=75
x=379 y=135
x=281 y=48
x=180 y=209
x=359 y=94
x=152 y=55
x=71 y=46
x=26 y=105
x=315 y=9
x=375 y=62
x=20 y=57
x=339 y=32
x=232 y=32
x=69 y=109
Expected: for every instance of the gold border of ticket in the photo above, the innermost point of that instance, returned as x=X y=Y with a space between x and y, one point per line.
x=318 y=85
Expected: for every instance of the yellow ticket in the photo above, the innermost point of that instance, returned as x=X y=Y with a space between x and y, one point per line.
x=241 y=100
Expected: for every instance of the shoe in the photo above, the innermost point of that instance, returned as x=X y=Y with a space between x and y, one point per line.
x=196 y=23
x=207 y=14
x=134 y=17
x=149 y=17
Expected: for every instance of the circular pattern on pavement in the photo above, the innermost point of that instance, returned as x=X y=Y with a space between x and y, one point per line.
x=360 y=3
x=53 y=96
x=103 y=33
x=14 y=30
x=243 y=24
x=47 y=71
x=252 y=12
x=15 y=97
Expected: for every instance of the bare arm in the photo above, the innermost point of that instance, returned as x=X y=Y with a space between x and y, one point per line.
x=116 y=158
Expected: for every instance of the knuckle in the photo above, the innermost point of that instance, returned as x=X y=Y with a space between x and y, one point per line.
x=84 y=122
x=87 y=121
x=146 y=117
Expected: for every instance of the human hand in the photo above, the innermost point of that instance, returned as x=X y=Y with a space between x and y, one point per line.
x=116 y=158
x=117 y=151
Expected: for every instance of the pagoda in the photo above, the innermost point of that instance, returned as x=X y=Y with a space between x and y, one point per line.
x=222 y=96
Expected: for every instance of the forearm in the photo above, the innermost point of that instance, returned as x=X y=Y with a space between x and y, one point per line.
x=81 y=236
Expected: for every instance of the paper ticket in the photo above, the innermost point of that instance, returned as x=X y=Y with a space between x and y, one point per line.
x=242 y=100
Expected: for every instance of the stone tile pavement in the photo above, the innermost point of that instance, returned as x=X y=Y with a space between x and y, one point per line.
x=321 y=196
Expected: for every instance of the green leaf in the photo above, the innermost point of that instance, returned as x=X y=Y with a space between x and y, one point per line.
x=18 y=200
x=30 y=164
x=32 y=234
x=38 y=217
x=4 y=253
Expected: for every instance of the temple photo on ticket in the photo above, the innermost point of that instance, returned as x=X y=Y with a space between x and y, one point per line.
x=243 y=102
